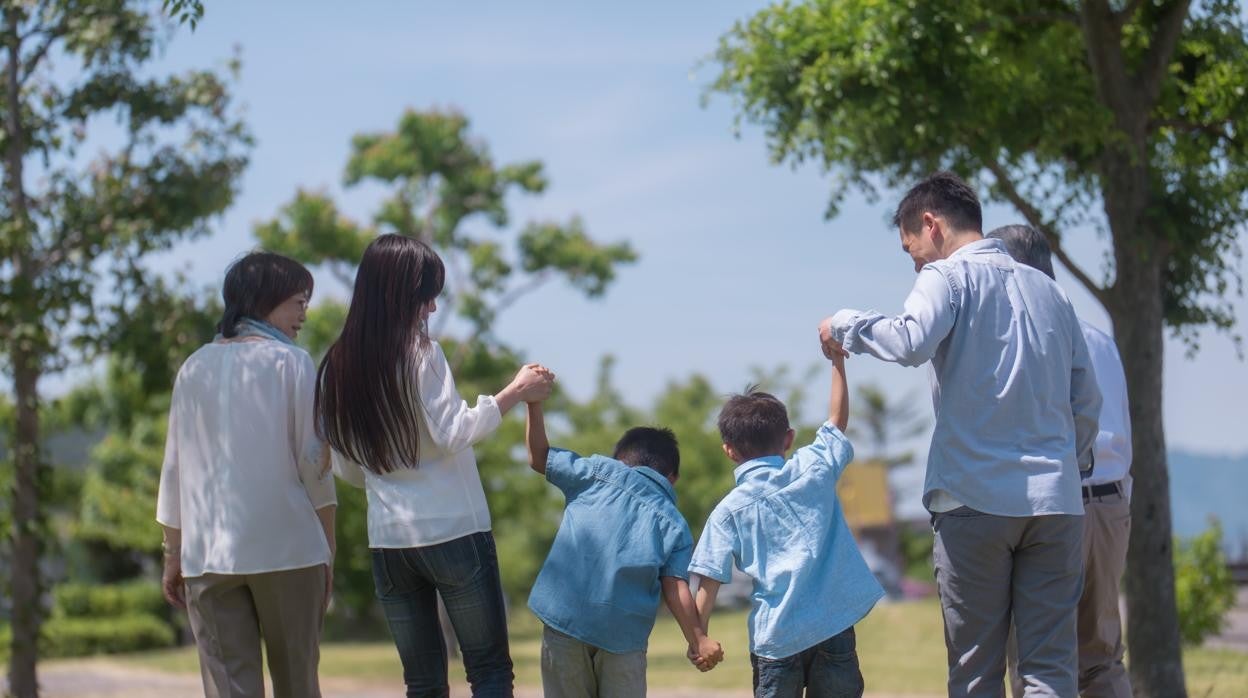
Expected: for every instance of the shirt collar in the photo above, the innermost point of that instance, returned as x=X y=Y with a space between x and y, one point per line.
x=980 y=246
x=751 y=465
x=658 y=478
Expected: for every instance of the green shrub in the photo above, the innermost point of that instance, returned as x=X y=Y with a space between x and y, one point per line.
x=78 y=637
x=96 y=601
x=1204 y=589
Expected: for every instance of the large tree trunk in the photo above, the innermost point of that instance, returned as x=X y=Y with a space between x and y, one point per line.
x=27 y=608
x=25 y=360
x=1153 y=646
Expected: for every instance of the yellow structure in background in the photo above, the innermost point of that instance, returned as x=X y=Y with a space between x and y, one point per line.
x=865 y=496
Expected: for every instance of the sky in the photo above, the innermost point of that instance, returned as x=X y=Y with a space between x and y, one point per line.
x=737 y=261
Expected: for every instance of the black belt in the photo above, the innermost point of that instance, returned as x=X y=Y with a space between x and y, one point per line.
x=1108 y=488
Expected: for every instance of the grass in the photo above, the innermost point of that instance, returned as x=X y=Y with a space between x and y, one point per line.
x=900 y=645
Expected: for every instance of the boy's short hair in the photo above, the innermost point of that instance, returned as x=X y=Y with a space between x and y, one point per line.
x=654 y=447
x=944 y=194
x=754 y=424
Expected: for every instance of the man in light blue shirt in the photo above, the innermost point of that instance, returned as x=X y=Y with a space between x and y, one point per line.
x=622 y=542
x=783 y=526
x=1016 y=417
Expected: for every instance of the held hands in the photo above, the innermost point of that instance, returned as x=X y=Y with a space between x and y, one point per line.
x=832 y=349
x=706 y=654
x=533 y=382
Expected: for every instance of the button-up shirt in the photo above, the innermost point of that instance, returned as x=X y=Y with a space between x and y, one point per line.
x=1012 y=383
x=783 y=526
x=1113 y=441
x=620 y=533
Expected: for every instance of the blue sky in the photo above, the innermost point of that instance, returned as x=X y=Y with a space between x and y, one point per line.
x=737 y=261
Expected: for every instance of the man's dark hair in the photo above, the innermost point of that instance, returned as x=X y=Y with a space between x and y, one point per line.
x=754 y=423
x=256 y=284
x=1027 y=246
x=653 y=447
x=941 y=194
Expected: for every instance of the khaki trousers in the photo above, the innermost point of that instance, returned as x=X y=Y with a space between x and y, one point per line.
x=1107 y=528
x=230 y=613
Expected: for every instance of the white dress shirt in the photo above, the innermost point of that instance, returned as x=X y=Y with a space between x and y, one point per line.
x=243 y=473
x=1014 y=391
x=1113 y=441
x=439 y=498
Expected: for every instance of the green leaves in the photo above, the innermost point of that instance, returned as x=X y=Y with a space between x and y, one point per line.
x=443 y=185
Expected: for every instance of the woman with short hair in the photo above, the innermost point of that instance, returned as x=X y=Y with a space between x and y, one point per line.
x=246 y=498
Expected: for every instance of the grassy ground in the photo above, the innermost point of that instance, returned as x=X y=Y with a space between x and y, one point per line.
x=900 y=645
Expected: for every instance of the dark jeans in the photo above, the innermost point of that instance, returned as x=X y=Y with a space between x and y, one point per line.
x=827 y=670
x=465 y=572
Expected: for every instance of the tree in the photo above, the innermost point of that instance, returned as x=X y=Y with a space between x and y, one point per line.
x=886 y=422
x=1127 y=116
x=75 y=228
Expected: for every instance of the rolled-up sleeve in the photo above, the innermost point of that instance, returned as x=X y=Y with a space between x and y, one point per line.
x=453 y=425
x=716 y=550
x=911 y=338
x=831 y=447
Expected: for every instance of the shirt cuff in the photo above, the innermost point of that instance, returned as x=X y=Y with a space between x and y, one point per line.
x=842 y=322
x=717 y=575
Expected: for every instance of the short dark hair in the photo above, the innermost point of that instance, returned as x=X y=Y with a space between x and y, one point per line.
x=257 y=283
x=943 y=194
x=654 y=447
x=754 y=423
x=1027 y=246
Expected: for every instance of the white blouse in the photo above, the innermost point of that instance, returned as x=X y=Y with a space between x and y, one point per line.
x=440 y=498
x=243 y=473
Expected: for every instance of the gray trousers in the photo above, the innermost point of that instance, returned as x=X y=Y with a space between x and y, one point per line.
x=230 y=613
x=1107 y=528
x=574 y=669
x=990 y=569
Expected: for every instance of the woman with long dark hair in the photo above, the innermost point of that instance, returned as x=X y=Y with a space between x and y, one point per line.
x=246 y=497
x=387 y=404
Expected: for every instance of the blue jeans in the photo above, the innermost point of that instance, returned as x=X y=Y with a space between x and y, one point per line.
x=465 y=572
x=827 y=670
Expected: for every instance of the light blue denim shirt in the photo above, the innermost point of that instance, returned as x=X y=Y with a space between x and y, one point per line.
x=1014 y=388
x=621 y=531
x=783 y=526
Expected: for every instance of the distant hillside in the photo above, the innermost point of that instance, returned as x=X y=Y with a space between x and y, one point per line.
x=1202 y=486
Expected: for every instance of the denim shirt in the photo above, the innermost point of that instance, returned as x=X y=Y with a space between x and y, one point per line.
x=1013 y=385
x=620 y=533
x=784 y=527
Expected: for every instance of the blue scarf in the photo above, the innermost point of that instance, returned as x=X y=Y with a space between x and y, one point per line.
x=250 y=327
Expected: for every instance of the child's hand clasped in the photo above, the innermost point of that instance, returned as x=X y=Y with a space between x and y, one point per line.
x=534 y=382
x=706 y=655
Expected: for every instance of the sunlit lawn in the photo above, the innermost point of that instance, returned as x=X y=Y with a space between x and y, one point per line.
x=900 y=645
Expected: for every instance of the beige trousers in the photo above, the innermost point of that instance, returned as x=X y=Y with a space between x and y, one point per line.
x=230 y=613
x=1107 y=527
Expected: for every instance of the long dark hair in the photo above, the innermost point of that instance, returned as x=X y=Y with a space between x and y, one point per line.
x=366 y=402
x=257 y=283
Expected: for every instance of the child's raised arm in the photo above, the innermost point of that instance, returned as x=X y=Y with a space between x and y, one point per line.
x=704 y=652
x=535 y=438
x=838 y=401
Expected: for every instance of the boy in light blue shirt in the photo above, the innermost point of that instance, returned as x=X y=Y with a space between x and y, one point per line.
x=622 y=542
x=782 y=525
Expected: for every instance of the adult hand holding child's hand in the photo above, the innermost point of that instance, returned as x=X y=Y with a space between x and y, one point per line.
x=534 y=382
x=831 y=348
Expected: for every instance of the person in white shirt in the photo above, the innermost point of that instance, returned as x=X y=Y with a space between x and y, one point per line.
x=246 y=498
x=1106 y=500
x=387 y=404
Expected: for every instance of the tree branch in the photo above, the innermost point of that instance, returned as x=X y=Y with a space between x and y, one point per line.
x=1036 y=220
x=1164 y=41
x=1216 y=130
